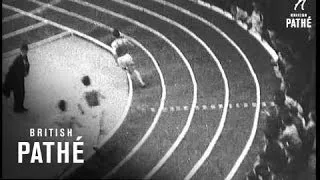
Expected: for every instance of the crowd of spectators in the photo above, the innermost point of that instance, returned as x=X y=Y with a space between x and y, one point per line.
x=289 y=132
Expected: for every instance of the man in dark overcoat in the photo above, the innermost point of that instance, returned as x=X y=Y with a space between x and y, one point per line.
x=14 y=80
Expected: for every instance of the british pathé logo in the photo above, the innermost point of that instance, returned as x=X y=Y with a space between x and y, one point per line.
x=300 y=2
x=298 y=19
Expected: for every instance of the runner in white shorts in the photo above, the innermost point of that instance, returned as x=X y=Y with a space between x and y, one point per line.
x=123 y=59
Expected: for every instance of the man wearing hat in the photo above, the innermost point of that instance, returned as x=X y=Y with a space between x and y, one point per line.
x=15 y=79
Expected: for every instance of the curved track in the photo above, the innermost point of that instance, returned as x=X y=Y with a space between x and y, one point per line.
x=202 y=58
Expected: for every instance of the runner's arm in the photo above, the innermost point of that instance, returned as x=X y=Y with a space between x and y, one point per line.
x=101 y=95
x=80 y=105
x=77 y=122
x=80 y=108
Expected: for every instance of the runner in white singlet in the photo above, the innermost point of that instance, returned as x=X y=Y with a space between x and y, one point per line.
x=123 y=58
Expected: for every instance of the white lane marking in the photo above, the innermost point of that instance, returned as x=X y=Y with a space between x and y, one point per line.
x=204 y=107
x=237 y=105
x=59 y=26
x=36 y=44
x=99 y=24
x=23 y=30
x=172 y=109
x=228 y=15
x=186 y=127
x=138 y=146
x=256 y=116
x=255 y=123
x=163 y=95
x=37 y=10
x=254 y=104
x=86 y=37
x=213 y=106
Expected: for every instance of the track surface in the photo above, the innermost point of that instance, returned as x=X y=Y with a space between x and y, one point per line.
x=210 y=87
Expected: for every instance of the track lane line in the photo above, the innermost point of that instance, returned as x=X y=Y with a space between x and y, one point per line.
x=99 y=24
x=219 y=131
x=192 y=109
x=36 y=44
x=186 y=128
x=23 y=30
x=256 y=116
x=228 y=15
x=37 y=10
x=70 y=30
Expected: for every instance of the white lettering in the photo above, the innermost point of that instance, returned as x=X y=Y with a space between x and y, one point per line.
x=21 y=152
x=31 y=132
x=39 y=133
x=77 y=151
x=48 y=145
x=69 y=132
x=309 y=22
x=36 y=153
x=64 y=152
x=288 y=22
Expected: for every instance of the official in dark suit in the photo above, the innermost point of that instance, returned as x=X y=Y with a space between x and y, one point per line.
x=14 y=80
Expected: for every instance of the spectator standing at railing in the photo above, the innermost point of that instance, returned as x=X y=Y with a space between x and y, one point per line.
x=260 y=170
x=273 y=126
x=274 y=153
x=238 y=13
x=308 y=94
x=290 y=137
x=309 y=136
x=255 y=21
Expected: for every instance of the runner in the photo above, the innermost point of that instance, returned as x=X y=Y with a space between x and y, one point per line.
x=123 y=58
x=90 y=105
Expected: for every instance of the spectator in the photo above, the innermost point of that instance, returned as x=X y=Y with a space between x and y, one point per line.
x=279 y=45
x=273 y=127
x=260 y=170
x=293 y=105
x=312 y=32
x=308 y=94
x=309 y=137
x=283 y=64
x=275 y=155
x=286 y=106
x=255 y=21
x=14 y=80
x=299 y=146
x=252 y=176
x=281 y=109
x=296 y=112
x=238 y=14
x=284 y=85
x=290 y=137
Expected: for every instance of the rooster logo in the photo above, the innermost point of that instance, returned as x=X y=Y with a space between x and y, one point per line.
x=300 y=2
